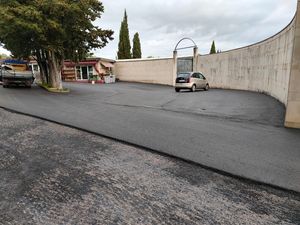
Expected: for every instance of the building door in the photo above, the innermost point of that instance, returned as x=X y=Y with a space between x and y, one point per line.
x=84 y=73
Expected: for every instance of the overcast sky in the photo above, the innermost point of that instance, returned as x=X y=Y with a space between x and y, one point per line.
x=162 y=23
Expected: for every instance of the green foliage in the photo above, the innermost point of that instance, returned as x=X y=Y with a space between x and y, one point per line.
x=89 y=55
x=64 y=26
x=3 y=56
x=52 y=30
x=213 y=48
x=136 y=49
x=124 y=51
x=94 y=78
x=55 y=90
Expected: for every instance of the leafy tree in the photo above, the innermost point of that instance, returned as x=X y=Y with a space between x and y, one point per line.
x=3 y=56
x=124 y=51
x=51 y=30
x=89 y=55
x=136 y=49
x=213 y=48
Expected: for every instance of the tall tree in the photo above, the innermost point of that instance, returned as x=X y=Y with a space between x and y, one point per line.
x=51 y=31
x=213 y=48
x=124 y=51
x=136 y=49
x=3 y=56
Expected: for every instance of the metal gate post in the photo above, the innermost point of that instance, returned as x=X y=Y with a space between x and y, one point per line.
x=195 y=59
x=174 y=67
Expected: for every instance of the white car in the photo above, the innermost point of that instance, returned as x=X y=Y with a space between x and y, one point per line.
x=191 y=81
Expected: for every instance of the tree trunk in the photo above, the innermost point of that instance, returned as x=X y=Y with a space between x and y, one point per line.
x=41 y=60
x=55 y=67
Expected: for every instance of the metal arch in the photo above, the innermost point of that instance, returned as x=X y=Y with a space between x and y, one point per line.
x=194 y=46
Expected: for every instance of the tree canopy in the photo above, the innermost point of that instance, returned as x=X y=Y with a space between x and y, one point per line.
x=124 y=50
x=136 y=49
x=213 y=48
x=3 y=56
x=51 y=30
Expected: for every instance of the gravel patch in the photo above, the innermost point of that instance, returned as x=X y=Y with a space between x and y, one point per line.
x=51 y=174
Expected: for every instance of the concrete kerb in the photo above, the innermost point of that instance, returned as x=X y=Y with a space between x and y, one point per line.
x=157 y=151
x=53 y=90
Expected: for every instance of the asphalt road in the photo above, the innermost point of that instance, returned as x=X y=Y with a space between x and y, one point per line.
x=233 y=131
x=52 y=174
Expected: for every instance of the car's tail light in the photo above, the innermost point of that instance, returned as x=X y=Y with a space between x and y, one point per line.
x=188 y=80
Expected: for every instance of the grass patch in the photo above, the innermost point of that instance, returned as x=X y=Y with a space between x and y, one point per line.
x=54 y=90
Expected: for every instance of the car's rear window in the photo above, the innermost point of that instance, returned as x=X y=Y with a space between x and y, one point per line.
x=185 y=75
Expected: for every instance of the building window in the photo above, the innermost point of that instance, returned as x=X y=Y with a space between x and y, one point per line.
x=78 y=72
x=84 y=72
x=35 y=67
x=90 y=71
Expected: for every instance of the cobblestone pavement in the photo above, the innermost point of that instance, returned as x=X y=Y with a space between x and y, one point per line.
x=51 y=174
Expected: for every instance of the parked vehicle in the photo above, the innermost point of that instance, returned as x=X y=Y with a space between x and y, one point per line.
x=9 y=75
x=191 y=81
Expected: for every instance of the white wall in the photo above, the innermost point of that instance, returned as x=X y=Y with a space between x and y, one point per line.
x=271 y=66
x=263 y=67
x=155 y=71
x=292 y=117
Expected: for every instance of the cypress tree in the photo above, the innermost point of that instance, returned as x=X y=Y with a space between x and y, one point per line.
x=124 y=51
x=136 y=49
x=213 y=48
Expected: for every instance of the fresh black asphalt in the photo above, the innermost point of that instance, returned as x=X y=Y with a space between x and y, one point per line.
x=237 y=132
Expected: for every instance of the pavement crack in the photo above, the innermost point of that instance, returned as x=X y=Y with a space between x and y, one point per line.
x=132 y=106
x=198 y=114
x=168 y=102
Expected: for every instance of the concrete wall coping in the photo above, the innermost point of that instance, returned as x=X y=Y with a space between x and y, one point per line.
x=142 y=60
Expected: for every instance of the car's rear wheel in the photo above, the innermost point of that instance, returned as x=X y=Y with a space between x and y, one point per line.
x=206 y=87
x=177 y=89
x=193 y=89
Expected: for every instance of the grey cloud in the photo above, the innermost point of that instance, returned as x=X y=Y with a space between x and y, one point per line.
x=232 y=23
x=161 y=23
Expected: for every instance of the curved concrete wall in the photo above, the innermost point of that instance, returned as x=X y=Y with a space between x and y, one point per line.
x=271 y=66
x=292 y=117
x=262 y=67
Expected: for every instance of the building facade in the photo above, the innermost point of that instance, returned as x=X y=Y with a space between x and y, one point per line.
x=88 y=69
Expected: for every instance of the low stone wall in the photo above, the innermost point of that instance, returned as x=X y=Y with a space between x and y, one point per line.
x=154 y=71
